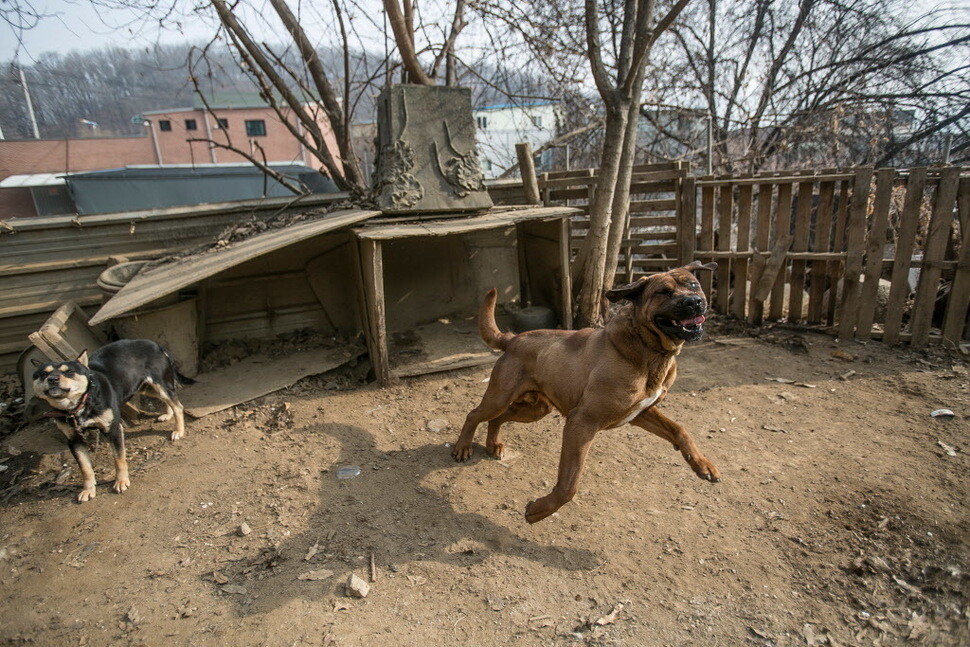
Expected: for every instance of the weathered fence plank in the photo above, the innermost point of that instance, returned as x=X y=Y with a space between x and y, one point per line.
x=756 y=308
x=957 y=309
x=929 y=278
x=803 y=223
x=875 y=249
x=821 y=242
x=740 y=266
x=724 y=221
x=855 y=248
x=782 y=235
x=905 y=242
x=707 y=234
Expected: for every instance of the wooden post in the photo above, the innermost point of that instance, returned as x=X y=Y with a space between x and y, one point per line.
x=855 y=243
x=567 y=288
x=687 y=220
x=372 y=266
x=929 y=276
x=875 y=249
x=956 y=311
x=527 y=169
x=905 y=241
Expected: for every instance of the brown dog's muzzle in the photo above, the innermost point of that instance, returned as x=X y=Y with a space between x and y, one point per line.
x=683 y=319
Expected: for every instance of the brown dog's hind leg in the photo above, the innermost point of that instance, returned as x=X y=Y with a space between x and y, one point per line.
x=504 y=388
x=577 y=436
x=657 y=423
x=530 y=408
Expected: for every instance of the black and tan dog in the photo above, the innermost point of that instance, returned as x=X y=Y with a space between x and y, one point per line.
x=87 y=396
x=597 y=378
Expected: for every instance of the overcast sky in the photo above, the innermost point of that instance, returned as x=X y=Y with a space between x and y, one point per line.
x=87 y=24
x=81 y=25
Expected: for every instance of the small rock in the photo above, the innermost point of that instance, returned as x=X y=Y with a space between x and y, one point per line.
x=244 y=529
x=942 y=413
x=133 y=616
x=234 y=589
x=436 y=426
x=776 y=429
x=316 y=576
x=842 y=355
x=219 y=578
x=949 y=449
x=357 y=587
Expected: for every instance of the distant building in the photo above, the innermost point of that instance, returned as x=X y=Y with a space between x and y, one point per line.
x=243 y=121
x=501 y=127
x=31 y=170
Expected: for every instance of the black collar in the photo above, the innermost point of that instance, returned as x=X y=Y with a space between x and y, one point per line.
x=71 y=417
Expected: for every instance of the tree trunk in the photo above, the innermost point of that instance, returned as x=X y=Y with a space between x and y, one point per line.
x=591 y=263
x=621 y=196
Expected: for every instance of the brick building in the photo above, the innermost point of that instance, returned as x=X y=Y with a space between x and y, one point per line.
x=245 y=122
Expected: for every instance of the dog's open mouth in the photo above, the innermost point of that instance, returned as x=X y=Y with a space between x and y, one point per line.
x=689 y=329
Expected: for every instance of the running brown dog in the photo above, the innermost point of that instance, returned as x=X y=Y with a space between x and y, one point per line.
x=597 y=378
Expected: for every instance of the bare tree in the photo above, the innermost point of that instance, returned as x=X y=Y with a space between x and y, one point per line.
x=815 y=81
x=620 y=85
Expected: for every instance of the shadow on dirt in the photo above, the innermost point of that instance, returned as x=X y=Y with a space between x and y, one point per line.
x=402 y=521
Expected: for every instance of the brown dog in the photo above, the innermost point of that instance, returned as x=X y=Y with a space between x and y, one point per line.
x=597 y=378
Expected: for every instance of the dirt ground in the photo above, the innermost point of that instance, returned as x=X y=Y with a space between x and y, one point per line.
x=844 y=523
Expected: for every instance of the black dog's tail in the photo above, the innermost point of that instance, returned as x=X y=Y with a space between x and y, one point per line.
x=179 y=378
x=183 y=380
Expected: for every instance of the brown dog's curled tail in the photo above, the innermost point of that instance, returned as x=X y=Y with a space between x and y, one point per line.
x=487 y=327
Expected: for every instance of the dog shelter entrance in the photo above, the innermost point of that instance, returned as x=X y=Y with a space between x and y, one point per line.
x=423 y=283
x=282 y=281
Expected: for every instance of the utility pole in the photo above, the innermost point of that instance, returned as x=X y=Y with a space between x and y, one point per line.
x=30 y=104
x=710 y=143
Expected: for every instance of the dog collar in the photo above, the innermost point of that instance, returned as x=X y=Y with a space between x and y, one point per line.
x=69 y=416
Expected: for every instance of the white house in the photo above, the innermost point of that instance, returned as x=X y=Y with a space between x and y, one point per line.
x=501 y=127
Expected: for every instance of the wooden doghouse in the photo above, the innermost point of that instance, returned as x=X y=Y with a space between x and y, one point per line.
x=423 y=282
x=278 y=281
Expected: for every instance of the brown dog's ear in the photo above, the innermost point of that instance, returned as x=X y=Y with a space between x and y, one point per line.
x=628 y=291
x=697 y=265
x=82 y=359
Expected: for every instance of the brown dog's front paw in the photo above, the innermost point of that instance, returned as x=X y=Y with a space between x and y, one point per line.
x=461 y=452
x=495 y=450
x=704 y=468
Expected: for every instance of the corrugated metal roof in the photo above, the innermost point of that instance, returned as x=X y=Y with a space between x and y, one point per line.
x=31 y=180
x=166 y=279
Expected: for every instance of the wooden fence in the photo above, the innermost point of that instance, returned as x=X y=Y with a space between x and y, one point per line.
x=830 y=248
x=837 y=249
x=657 y=206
